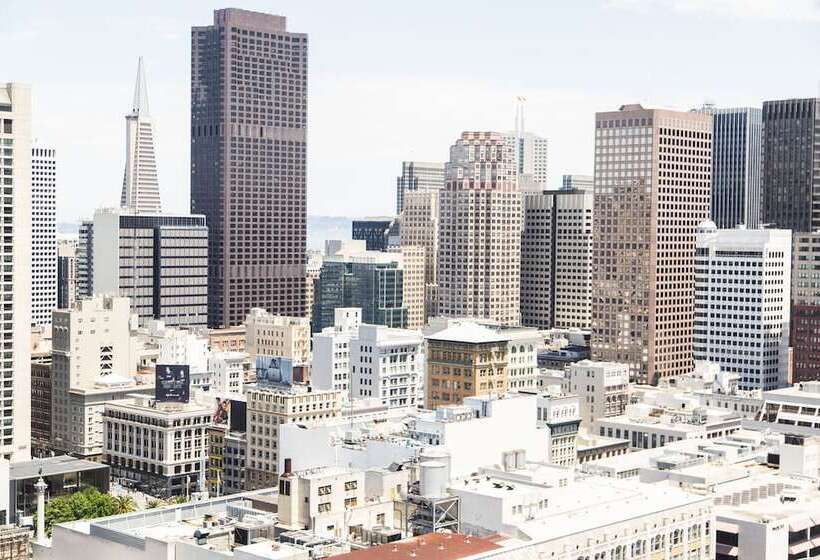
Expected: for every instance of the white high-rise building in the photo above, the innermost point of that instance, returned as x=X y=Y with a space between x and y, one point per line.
x=140 y=186
x=15 y=283
x=530 y=154
x=43 y=234
x=330 y=368
x=742 y=302
x=387 y=364
x=556 y=259
x=479 y=253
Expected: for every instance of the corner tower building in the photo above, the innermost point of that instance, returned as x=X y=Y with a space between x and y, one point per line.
x=248 y=162
x=652 y=189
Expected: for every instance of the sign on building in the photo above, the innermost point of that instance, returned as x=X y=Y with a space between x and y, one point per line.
x=173 y=383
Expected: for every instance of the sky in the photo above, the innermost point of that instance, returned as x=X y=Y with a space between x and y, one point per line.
x=393 y=81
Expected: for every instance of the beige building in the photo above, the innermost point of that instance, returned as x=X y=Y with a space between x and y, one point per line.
x=267 y=409
x=556 y=259
x=94 y=361
x=652 y=189
x=479 y=250
x=274 y=335
x=419 y=227
x=413 y=285
x=228 y=339
x=465 y=360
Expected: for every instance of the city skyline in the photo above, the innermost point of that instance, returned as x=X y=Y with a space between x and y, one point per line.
x=403 y=86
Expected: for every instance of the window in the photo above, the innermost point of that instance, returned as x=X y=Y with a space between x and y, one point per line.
x=324 y=507
x=351 y=485
x=350 y=502
x=324 y=490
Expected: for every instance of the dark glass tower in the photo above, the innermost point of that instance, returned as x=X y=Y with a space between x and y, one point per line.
x=248 y=161
x=791 y=164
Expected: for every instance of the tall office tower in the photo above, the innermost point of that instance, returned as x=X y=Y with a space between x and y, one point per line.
x=652 y=188
x=530 y=154
x=420 y=176
x=556 y=259
x=43 y=234
x=419 y=228
x=805 y=323
x=312 y=270
x=742 y=298
x=15 y=324
x=791 y=164
x=140 y=187
x=85 y=259
x=158 y=261
x=479 y=252
x=66 y=273
x=248 y=162
x=414 y=289
x=737 y=154
x=578 y=182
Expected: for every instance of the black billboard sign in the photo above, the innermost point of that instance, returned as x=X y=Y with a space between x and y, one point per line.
x=173 y=383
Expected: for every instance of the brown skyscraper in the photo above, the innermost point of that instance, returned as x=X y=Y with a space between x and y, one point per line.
x=652 y=189
x=248 y=161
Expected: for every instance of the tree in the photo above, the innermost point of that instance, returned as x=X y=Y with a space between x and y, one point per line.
x=87 y=504
x=125 y=504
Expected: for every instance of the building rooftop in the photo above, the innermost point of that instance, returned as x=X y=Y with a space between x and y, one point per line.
x=51 y=466
x=432 y=546
x=468 y=332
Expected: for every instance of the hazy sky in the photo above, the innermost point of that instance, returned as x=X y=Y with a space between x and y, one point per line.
x=398 y=80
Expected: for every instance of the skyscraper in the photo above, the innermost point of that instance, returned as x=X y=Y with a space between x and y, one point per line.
x=140 y=187
x=652 y=189
x=422 y=176
x=248 y=162
x=15 y=283
x=805 y=311
x=791 y=164
x=66 y=273
x=530 y=154
x=742 y=298
x=556 y=259
x=158 y=261
x=578 y=182
x=43 y=234
x=479 y=252
x=737 y=154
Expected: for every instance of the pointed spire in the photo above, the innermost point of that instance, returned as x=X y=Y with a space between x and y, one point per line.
x=140 y=104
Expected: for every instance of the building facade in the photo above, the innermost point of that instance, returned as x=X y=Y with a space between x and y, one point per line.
x=15 y=324
x=85 y=258
x=652 y=189
x=578 y=182
x=66 y=273
x=140 y=186
x=375 y=232
x=418 y=176
x=465 y=360
x=162 y=446
x=43 y=234
x=387 y=364
x=737 y=159
x=531 y=159
x=249 y=96
x=373 y=281
x=556 y=259
x=805 y=311
x=270 y=407
x=479 y=253
x=791 y=175
x=330 y=368
x=419 y=228
x=742 y=303
x=602 y=388
x=274 y=335
x=158 y=261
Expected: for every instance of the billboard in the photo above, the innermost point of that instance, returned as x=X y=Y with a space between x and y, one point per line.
x=173 y=383
x=231 y=413
x=274 y=370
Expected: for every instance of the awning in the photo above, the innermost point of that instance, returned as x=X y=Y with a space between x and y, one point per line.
x=726 y=549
